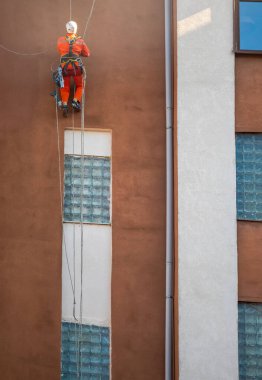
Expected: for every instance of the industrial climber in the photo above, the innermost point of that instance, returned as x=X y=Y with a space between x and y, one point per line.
x=71 y=47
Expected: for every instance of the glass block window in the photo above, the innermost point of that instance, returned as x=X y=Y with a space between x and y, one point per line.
x=85 y=352
x=96 y=189
x=250 y=341
x=249 y=176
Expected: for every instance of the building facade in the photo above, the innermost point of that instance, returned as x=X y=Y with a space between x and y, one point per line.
x=84 y=198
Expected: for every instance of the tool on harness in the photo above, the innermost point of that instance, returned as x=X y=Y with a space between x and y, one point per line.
x=59 y=81
x=58 y=77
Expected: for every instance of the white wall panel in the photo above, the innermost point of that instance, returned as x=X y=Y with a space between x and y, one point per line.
x=95 y=143
x=97 y=258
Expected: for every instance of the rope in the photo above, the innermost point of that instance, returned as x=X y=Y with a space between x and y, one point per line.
x=74 y=245
x=89 y=17
x=61 y=201
x=82 y=220
x=79 y=339
x=24 y=54
x=45 y=51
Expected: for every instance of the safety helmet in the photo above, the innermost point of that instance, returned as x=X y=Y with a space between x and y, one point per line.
x=71 y=27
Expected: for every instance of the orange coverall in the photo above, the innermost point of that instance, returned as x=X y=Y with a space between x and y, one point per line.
x=79 y=48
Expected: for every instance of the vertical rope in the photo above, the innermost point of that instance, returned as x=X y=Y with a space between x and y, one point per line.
x=82 y=227
x=62 y=201
x=79 y=341
x=73 y=196
x=74 y=262
x=89 y=17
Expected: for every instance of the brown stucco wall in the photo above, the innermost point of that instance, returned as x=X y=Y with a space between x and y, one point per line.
x=126 y=94
x=129 y=98
x=248 y=93
x=30 y=223
x=249 y=236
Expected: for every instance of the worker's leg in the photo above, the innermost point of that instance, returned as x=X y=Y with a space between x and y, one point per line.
x=78 y=79
x=65 y=91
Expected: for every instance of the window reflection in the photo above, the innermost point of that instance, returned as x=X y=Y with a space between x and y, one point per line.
x=250 y=25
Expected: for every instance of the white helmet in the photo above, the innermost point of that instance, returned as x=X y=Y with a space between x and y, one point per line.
x=71 y=27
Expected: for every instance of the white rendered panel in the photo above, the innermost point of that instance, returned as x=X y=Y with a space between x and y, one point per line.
x=95 y=143
x=97 y=259
x=207 y=251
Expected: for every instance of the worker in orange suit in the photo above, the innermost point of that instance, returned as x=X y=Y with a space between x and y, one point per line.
x=71 y=47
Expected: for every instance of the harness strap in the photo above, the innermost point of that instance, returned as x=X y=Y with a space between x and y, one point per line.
x=71 y=47
x=71 y=58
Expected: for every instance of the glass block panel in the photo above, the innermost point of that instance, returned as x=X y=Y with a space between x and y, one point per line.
x=249 y=176
x=92 y=184
x=85 y=352
x=250 y=341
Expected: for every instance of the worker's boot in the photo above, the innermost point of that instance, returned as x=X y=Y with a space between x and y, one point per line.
x=65 y=110
x=76 y=105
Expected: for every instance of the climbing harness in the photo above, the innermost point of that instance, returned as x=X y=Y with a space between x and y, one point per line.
x=71 y=59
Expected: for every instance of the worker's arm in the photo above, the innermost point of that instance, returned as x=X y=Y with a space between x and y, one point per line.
x=62 y=46
x=58 y=45
x=85 y=51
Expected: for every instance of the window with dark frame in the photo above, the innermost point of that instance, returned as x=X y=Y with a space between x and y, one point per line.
x=248 y=26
